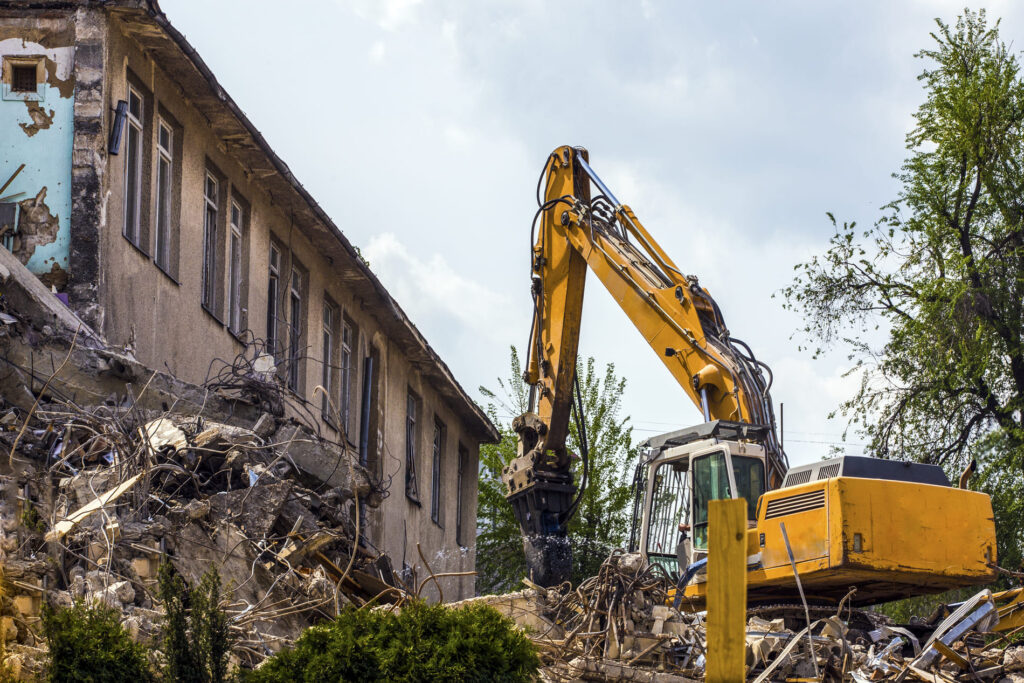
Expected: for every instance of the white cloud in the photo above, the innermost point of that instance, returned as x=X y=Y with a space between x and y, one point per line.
x=436 y=294
x=387 y=14
x=377 y=51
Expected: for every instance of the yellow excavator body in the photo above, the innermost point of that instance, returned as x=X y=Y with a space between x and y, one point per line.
x=889 y=539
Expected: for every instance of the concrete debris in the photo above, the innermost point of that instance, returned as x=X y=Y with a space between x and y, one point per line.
x=618 y=625
x=109 y=469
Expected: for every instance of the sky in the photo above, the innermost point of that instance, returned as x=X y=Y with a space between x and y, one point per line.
x=730 y=128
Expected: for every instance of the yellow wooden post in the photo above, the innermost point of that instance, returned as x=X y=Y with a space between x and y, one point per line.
x=727 y=590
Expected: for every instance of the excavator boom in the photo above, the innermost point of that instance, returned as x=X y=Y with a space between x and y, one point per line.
x=580 y=230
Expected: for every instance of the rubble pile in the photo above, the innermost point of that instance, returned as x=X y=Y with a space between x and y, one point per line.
x=95 y=503
x=620 y=625
x=109 y=468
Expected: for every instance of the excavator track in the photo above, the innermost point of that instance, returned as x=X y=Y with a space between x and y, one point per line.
x=795 y=618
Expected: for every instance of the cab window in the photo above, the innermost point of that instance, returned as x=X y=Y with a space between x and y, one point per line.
x=749 y=474
x=668 y=508
x=710 y=482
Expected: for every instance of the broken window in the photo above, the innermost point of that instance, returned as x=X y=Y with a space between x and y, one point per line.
x=236 y=269
x=273 y=299
x=330 y=322
x=296 y=295
x=411 y=436
x=133 y=169
x=8 y=223
x=210 y=243
x=164 y=176
x=435 y=472
x=463 y=459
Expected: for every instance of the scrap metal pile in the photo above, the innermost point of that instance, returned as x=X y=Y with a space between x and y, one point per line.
x=619 y=625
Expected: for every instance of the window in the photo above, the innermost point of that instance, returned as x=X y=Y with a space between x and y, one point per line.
x=463 y=461
x=670 y=501
x=411 y=435
x=236 y=311
x=295 y=292
x=710 y=482
x=210 y=244
x=8 y=223
x=435 y=472
x=330 y=319
x=164 y=175
x=346 y=375
x=273 y=301
x=23 y=78
x=133 y=169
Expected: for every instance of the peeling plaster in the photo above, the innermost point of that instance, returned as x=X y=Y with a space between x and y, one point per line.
x=40 y=119
x=36 y=227
x=39 y=132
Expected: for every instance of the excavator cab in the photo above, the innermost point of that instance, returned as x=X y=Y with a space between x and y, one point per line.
x=685 y=470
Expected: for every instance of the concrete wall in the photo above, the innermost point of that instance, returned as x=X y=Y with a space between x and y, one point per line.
x=36 y=129
x=158 y=313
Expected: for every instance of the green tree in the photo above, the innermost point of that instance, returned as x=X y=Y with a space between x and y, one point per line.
x=929 y=301
x=87 y=643
x=602 y=520
x=195 y=631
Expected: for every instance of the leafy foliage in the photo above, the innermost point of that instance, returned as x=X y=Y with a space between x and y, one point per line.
x=87 y=643
x=930 y=300
x=602 y=520
x=196 y=637
x=419 y=643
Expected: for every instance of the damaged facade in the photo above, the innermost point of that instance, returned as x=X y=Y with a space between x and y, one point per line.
x=135 y=188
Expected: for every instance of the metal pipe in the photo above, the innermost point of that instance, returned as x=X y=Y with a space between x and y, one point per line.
x=597 y=181
x=704 y=404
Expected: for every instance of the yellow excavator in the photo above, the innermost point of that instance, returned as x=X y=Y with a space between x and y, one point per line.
x=892 y=529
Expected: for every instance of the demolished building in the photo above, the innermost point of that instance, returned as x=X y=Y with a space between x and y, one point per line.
x=135 y=188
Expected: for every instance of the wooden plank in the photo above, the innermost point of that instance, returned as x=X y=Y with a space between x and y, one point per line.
x=68 y=523
x=727 y=590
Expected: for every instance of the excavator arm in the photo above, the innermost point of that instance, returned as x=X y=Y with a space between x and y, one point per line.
x=580 y=230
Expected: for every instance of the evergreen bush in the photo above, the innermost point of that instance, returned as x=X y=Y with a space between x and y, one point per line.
x=196 y=637
x=419 y=643
x=87 y=644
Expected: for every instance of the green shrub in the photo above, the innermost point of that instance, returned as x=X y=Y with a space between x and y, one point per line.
x=196 y=637
x=420 y=643
x=87 y=643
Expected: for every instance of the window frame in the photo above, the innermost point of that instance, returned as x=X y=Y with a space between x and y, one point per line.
x=329 y=332
x=436 y=464
x=346 y=356
x=163 y=229
x=411 y=438
x=236 y=266
x=274 y=302
x=132 y=207
x=463 y=456
x=211 y=218
x=296 y=313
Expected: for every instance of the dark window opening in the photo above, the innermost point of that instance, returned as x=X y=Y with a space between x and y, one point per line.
x=295 y=331
x=272 y=302
x=435 y=473
x=411 y=486
x=463 y=457
x=23 y=78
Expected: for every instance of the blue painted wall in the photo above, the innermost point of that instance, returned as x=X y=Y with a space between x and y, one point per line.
x=37 y=129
